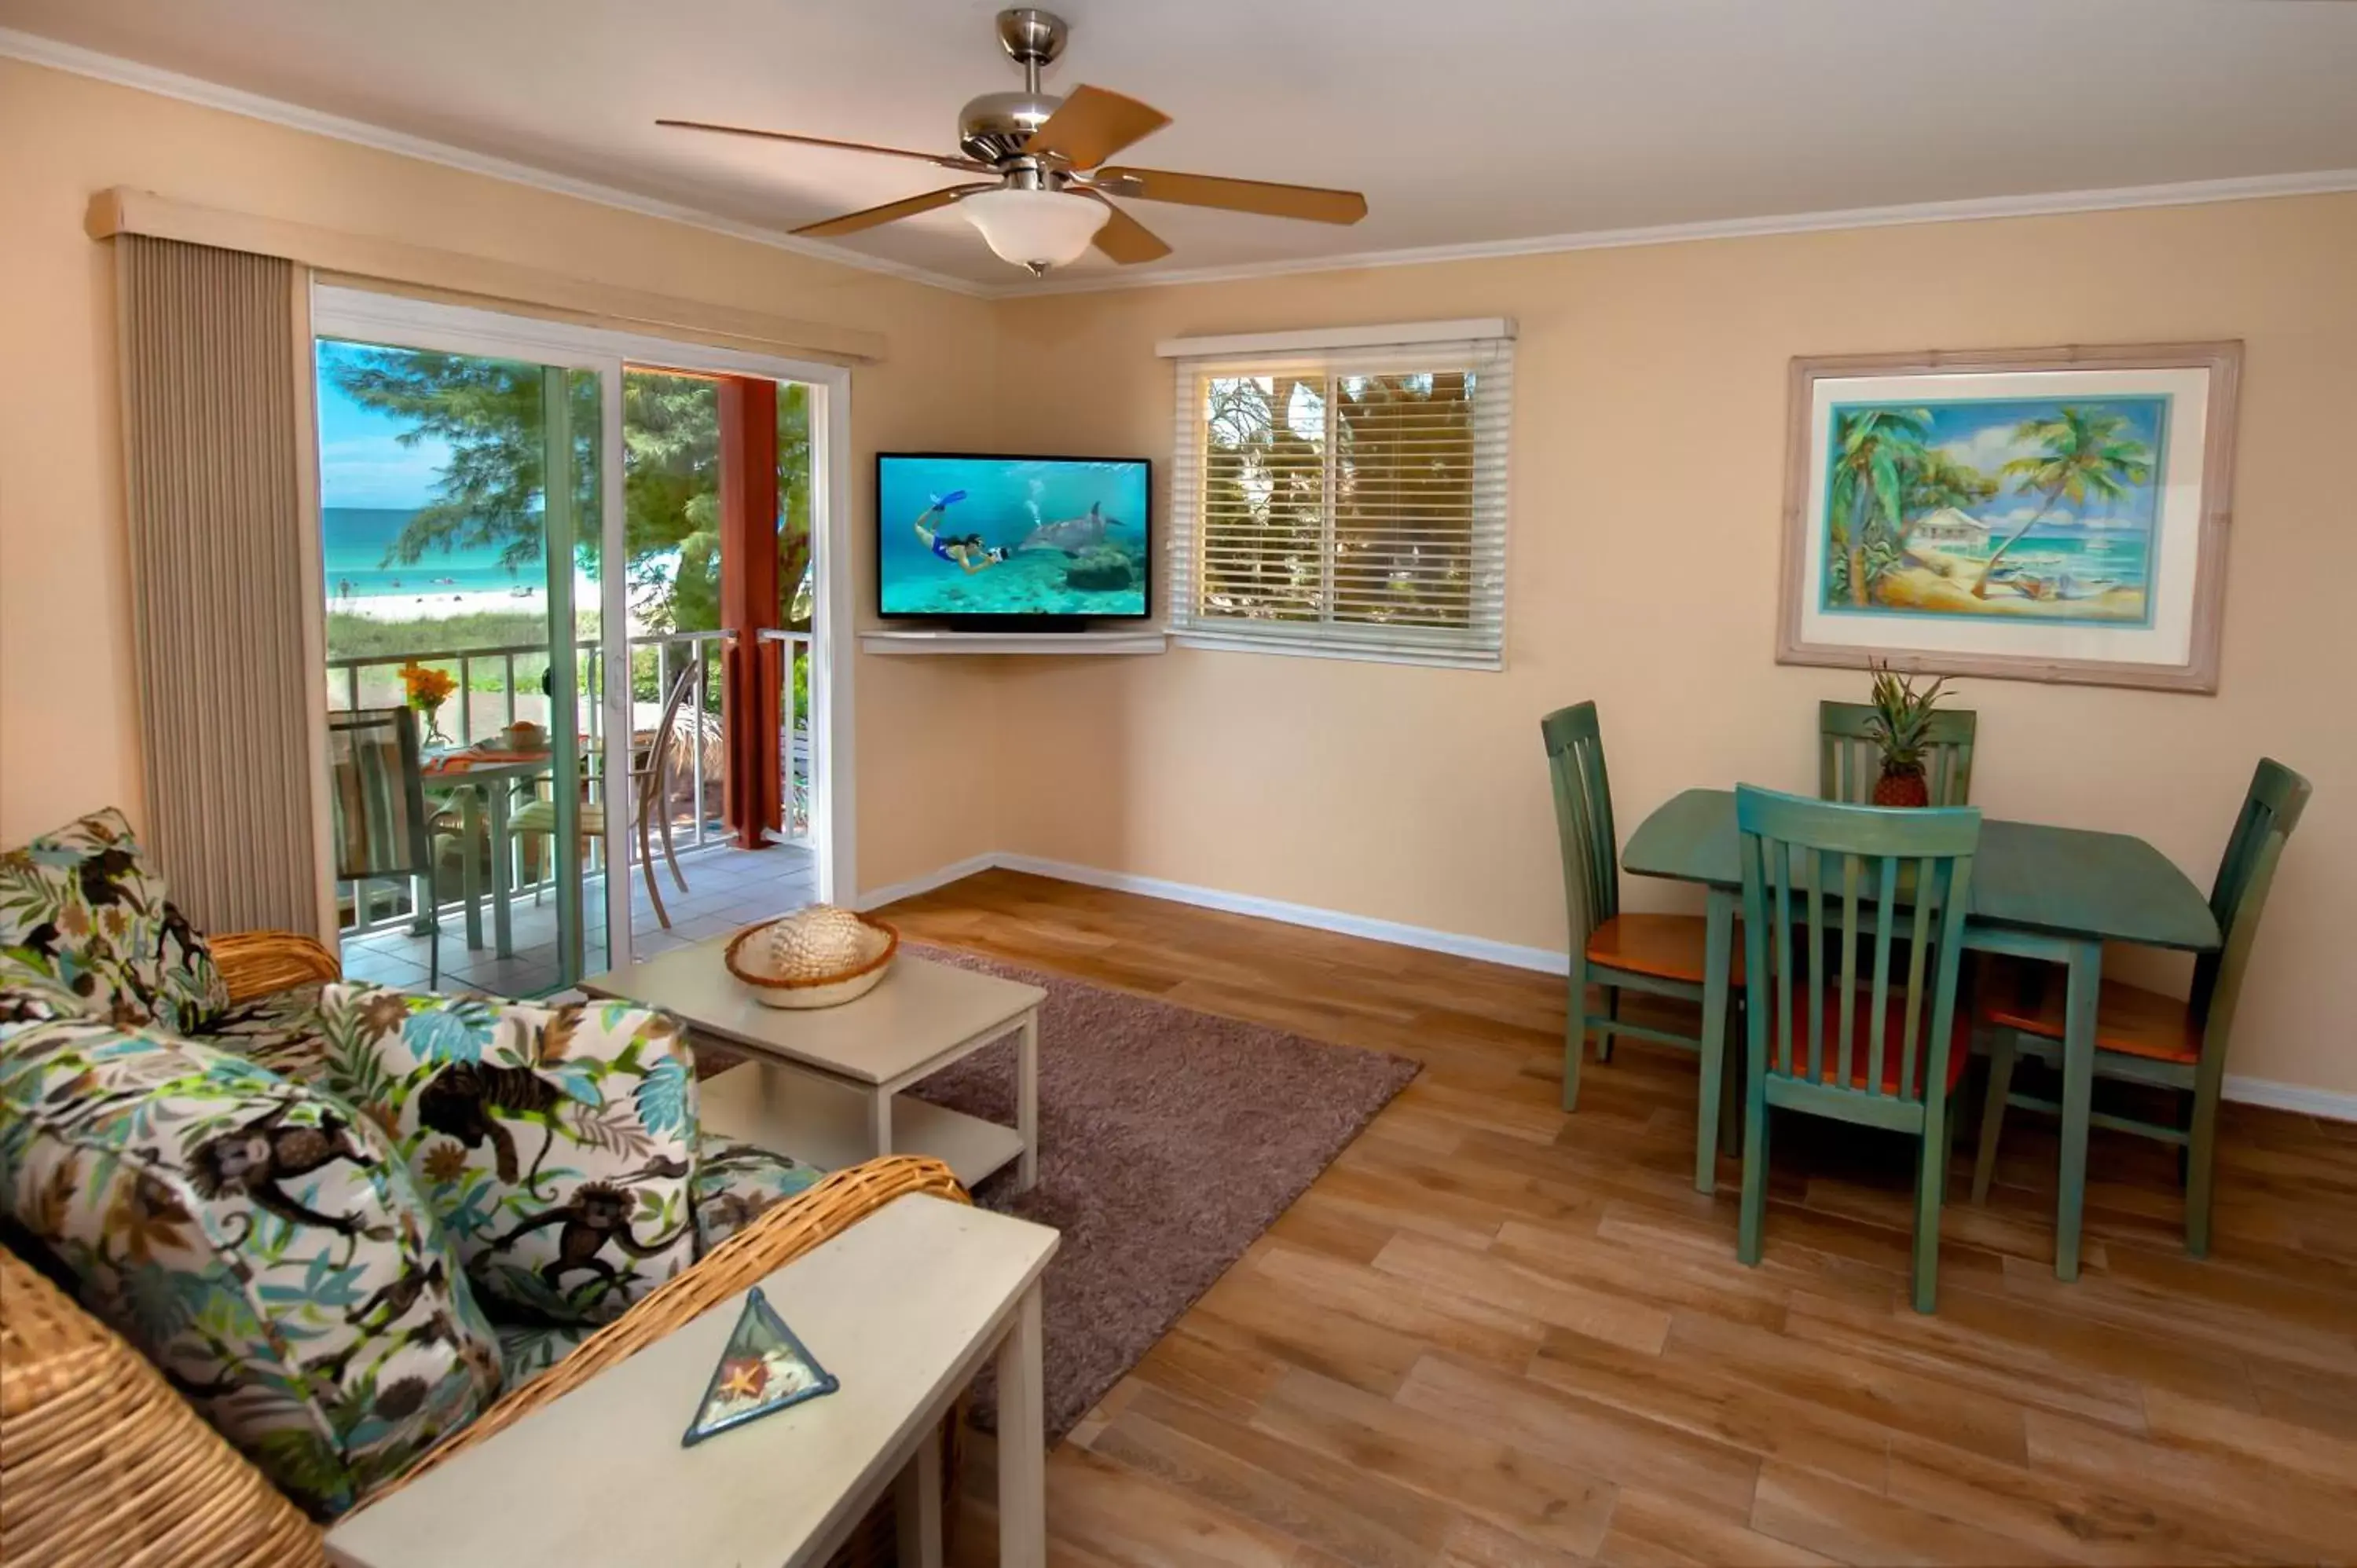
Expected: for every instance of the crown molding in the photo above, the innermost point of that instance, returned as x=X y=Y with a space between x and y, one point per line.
x=35 y=50
x=2189 y=193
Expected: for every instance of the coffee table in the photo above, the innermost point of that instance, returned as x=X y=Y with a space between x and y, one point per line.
x=825 y=1084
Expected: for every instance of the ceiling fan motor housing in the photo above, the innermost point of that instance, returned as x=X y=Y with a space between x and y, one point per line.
x=994 y=127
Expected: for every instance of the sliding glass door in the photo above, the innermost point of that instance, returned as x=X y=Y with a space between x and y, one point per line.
x=578 y=587
x=462 y=531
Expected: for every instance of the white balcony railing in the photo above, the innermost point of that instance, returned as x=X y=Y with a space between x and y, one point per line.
x=501 y=685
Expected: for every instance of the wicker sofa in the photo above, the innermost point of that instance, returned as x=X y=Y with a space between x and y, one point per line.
x=109 y=1005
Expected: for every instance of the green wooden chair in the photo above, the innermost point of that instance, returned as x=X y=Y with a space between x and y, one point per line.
x=1848 y=762
x=2144 y=1037
x=1666 y=955
x=1902 y=880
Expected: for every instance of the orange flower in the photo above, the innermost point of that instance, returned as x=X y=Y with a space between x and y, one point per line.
x=427 y=687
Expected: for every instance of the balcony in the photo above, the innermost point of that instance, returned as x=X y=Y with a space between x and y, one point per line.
x=726 y=887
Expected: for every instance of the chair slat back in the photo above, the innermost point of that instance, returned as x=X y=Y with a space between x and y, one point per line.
x=1826 y=884
x=377 y=794
x=1583 y=815
x=667 y=726
x=2271 y=808
x=1848 y=761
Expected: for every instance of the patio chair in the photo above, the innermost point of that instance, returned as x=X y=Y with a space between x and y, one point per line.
x=382 y=829
x=650 y=783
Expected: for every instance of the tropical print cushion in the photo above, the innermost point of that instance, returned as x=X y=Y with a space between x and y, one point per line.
x=281 y=1031
x=736 y=1181
x=555 y=1142
x=29 y=995
x=81 y=905
x=257 y=1240
x=527 y=1349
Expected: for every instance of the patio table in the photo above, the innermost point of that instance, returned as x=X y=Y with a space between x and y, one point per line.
x=479 y=776
x=2038 y=892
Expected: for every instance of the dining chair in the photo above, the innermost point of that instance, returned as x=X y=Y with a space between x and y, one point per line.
x=380 y=827
x=2144 y=1037
x=650 y=785
x=1817 y=877
x=1665 y=955
x=1848 y=760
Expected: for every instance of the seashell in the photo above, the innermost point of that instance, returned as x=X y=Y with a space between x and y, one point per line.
x=818 y=957
x=813 y=944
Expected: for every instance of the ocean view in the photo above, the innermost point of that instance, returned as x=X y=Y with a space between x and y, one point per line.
x=354 y=541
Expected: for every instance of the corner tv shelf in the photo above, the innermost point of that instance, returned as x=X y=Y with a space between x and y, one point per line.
x=1143 y=640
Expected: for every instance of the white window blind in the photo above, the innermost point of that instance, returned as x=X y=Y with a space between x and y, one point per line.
x=1347 y=500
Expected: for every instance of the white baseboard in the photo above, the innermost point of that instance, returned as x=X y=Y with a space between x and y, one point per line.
x=940 y=876
x=1393 y=931
x=2333 y=1105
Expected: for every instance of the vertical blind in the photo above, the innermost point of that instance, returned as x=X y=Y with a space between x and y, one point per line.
x=1347 y=501
x=213 y=432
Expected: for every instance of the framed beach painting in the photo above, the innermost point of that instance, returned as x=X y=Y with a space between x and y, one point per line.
x=2044 y=514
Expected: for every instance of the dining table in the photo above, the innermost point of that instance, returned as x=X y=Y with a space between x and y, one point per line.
x=479 y=778
x=2038 y=892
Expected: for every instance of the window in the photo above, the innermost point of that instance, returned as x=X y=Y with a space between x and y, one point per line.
x=1344 y=493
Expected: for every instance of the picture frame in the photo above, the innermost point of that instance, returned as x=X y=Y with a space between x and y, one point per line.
x=2030 y=514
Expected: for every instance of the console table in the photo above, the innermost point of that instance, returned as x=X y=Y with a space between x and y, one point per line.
x=903 y=1309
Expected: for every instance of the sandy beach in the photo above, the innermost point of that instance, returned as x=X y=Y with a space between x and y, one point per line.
x=1934 y=580
x=434 y=604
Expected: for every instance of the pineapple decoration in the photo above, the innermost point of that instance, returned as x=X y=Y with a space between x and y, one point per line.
x=1900 y=726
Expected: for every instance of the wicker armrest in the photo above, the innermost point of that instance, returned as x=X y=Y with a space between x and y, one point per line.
x=100 y=1463
x=771 y=1241
x=257 y=963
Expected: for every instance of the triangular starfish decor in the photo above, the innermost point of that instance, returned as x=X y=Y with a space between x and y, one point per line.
x=763 y=1369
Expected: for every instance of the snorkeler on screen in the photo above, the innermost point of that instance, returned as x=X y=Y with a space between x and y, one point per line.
x=966 y=548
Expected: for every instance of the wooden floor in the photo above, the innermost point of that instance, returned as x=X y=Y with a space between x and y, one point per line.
x=1494 y=1334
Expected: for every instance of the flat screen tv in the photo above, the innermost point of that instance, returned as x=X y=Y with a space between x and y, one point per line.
x=1003 y=541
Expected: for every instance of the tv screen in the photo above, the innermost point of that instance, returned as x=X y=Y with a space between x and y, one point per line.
x=1014 y=537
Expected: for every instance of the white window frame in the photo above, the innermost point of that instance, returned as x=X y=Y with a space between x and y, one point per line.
x=1394 y=346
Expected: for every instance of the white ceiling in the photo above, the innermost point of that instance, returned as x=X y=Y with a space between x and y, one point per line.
x=1485 y=120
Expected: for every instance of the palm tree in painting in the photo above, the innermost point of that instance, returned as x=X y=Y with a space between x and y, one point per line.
x=2085 y=452
x=1875 y=448
x=1936 y=480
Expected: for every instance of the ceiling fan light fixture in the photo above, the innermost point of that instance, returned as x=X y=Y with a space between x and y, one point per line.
x=1036 y=229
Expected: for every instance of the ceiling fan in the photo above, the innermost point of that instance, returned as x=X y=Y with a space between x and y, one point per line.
x=1044 y=202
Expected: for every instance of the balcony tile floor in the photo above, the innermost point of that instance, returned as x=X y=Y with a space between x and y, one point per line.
x=726 y=889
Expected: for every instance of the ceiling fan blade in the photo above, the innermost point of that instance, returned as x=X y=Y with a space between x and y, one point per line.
x=1127 y=240
x=942 y=159
x=1313 y=202
x=1093 y=124
x=869 y=217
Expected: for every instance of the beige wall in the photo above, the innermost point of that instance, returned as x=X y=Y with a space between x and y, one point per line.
x=1647 y=474
x=69 y=719
x=1647 y=463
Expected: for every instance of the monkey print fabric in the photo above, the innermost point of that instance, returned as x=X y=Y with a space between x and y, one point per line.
x=80 y=906
x=556 y=1144
x=259 y=1241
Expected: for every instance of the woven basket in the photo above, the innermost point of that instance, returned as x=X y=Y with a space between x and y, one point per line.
x=744 y=958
